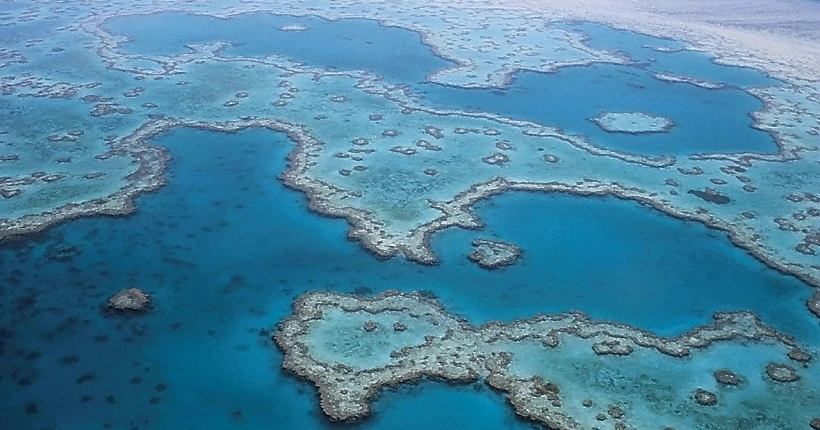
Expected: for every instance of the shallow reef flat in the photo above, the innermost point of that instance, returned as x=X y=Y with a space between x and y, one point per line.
x=563 y=371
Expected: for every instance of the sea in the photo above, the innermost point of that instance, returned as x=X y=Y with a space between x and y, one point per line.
x=224 y=248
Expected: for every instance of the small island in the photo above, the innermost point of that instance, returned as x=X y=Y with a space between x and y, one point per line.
x=668 y=77
x=633 y=122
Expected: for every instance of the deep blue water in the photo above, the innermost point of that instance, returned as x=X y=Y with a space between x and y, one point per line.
x=606 y=257
x=224 y=248
x=706 y=120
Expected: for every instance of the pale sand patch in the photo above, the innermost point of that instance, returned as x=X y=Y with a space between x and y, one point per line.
x=781 y=37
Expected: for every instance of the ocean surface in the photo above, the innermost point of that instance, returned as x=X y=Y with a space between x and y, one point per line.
x=224 y=249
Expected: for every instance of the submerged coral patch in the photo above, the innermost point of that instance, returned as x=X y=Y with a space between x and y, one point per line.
x=492 y=254
x=130 y=299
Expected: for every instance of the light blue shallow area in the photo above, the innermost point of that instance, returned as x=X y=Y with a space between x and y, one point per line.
x=706 y=121
x=224 y=249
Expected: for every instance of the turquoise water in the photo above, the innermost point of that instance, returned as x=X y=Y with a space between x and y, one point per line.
x=346 y=44
x=706 y=120
x=618 y=260
x=224 y=248
x=439 y=405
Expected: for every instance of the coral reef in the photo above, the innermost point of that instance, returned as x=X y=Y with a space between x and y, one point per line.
x=492 y=254
x=130 y=299
x=345 y=345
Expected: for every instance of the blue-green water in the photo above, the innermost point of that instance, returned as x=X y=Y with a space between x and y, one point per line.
x=706 y=120
x=224 y=249
x=345 y=44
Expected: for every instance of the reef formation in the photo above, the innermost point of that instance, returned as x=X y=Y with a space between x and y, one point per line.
x=129 y=299
x=790 y=114
x=349 y=168
x=366 y=149
x=351 y=347
x=492 y=254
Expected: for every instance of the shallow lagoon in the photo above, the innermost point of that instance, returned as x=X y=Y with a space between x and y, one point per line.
x=224 y=248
